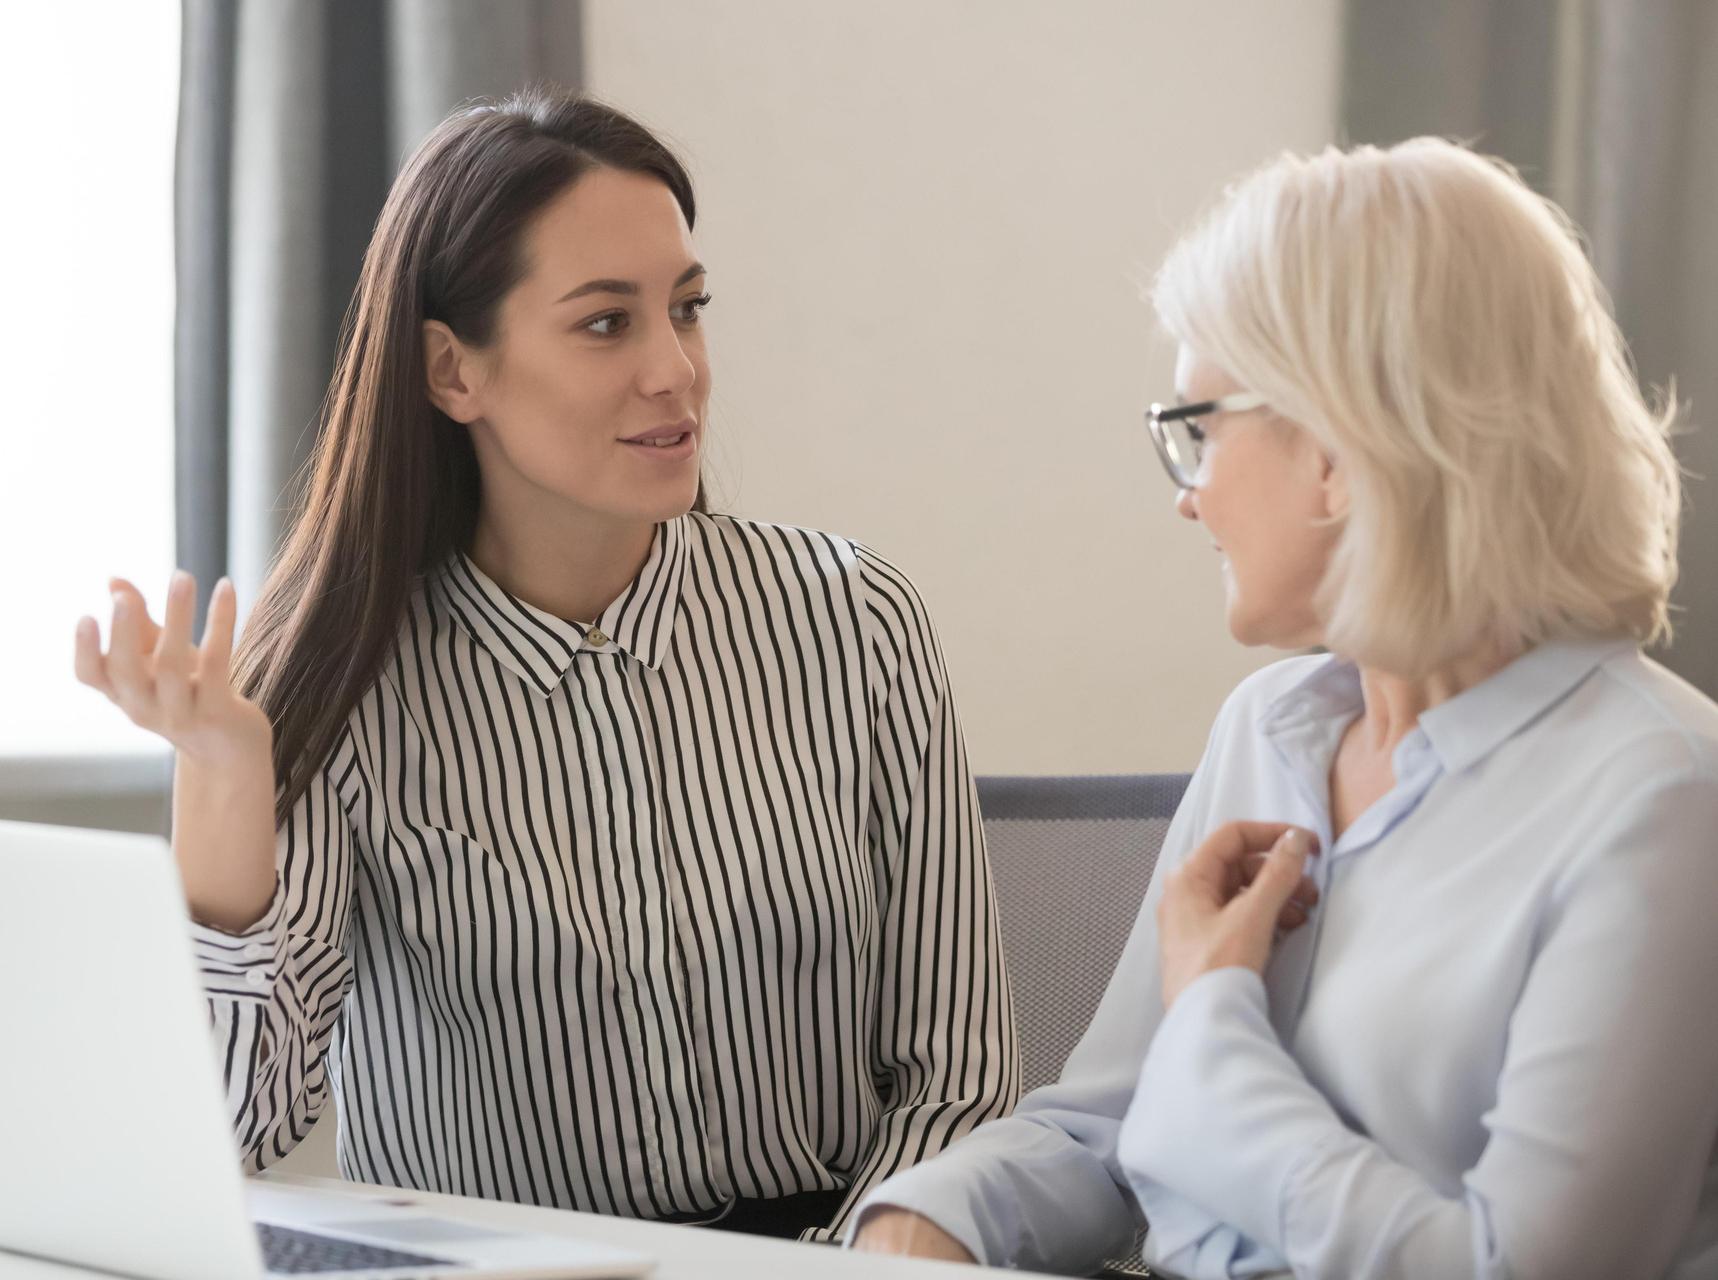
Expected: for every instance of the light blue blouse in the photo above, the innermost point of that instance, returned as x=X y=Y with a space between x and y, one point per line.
x=1492 y=1052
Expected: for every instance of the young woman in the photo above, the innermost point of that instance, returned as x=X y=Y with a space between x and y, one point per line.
x=1423 y=987
x=590 y=849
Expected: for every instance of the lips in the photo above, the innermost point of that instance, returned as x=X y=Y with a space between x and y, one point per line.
x=673 y=444
x=664 y=437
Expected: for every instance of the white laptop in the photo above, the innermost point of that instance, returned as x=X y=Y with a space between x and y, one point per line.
x=115 y=1149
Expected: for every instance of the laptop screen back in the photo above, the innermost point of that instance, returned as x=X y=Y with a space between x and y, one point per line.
x=115 y=1151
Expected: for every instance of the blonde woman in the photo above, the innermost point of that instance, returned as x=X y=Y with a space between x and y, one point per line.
x=1424 y=985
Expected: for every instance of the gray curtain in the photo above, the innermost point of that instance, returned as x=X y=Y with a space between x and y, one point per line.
x=1608 y=106
x=294 y=116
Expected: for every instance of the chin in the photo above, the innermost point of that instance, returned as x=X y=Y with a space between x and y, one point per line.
x=1272 y=633
x=1243 y=623
x=670 y=503
x=1256 y=629
x=680 y=502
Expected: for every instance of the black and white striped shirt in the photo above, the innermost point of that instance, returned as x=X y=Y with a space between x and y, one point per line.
x=636 y=917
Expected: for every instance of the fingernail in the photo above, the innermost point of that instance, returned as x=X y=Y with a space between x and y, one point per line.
x=180 y=580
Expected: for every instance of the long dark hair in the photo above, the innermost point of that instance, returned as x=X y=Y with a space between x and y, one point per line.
x=392 y=486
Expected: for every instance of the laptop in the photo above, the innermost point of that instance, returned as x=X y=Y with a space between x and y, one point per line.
x=115 y=1148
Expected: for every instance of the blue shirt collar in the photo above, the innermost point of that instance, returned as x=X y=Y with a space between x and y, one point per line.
x=1477 y=721
x=1462 y=731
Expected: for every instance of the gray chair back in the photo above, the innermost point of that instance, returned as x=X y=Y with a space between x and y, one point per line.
x=1071 y=858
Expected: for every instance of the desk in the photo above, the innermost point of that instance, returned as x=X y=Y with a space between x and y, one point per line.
x=681 y=1253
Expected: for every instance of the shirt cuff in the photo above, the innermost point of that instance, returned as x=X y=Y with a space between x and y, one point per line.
x=925 y=1191
x=242 y=966
x=1222 y=1119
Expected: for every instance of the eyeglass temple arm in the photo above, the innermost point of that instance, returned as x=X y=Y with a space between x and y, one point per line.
x=1238 y=402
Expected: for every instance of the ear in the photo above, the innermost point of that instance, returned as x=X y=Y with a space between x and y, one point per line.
x=451 y=374
x=1333 y=480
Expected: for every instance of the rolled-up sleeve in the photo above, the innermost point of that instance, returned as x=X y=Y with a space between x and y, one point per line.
x=275 y=991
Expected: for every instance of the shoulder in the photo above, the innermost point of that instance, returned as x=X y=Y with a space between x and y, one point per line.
x=1252 y=699
x=761 y=542
x=730 y=543
x=1622 y=732
x=1626 y=783
x=1633 y=710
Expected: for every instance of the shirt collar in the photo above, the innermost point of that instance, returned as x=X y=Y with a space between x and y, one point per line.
x=1467 y=728
x=539 y=647
x=1474 y=723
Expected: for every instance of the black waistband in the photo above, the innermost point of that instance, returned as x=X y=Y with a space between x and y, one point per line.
x=782 y=1216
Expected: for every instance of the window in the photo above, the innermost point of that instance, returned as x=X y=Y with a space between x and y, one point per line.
x=86 y=456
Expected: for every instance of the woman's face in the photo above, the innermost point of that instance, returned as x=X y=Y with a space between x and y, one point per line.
x=1267 y=495
x=596 y=386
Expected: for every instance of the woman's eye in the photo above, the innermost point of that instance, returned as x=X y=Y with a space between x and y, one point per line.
x=689 y=308
x=606 y=326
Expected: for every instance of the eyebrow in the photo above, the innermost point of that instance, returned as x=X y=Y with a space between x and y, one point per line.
x=627 y=288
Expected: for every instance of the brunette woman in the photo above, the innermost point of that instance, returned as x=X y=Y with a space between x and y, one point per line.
x=589 y=849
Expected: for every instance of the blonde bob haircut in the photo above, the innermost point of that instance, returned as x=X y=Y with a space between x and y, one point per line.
x=1438 y=330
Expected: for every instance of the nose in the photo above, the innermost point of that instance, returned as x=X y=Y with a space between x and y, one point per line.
x=1187 y=503
x=667 y=370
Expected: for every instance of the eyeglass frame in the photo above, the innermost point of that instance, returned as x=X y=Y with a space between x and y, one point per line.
x=1158 y=414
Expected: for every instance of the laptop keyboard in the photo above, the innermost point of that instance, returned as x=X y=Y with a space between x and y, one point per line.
x=288 y=1252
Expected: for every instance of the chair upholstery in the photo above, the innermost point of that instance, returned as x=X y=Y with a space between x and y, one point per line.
x=1070 y=858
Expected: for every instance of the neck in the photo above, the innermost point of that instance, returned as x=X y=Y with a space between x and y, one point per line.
x=564 y=560
x=1394 y=704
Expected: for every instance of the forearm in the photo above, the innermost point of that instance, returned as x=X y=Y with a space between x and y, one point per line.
x=224 y=835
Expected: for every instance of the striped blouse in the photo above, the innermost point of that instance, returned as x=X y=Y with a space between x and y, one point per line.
x=635 y=917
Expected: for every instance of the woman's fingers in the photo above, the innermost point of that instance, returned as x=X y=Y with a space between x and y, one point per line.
x=1272 y=890
x=128 y=660
x=174 y=658
x=1305 y=894
x=1300 y=905
x=87 y=660
x=1218 y=865
x=147 y=632
x=214 y=658
x=1213 y=914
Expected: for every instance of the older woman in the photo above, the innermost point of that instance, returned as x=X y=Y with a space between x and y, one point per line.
x=1425 y=984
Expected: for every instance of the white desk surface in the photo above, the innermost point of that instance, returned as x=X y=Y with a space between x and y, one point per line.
x=681 y=1253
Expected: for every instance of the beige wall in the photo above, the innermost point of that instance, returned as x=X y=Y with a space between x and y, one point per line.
x=927 y=223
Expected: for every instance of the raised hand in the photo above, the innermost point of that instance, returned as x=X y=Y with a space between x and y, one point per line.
x=164 y=682
x=223 y=782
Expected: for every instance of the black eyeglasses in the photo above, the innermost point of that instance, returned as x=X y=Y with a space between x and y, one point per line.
x=1179 y=438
